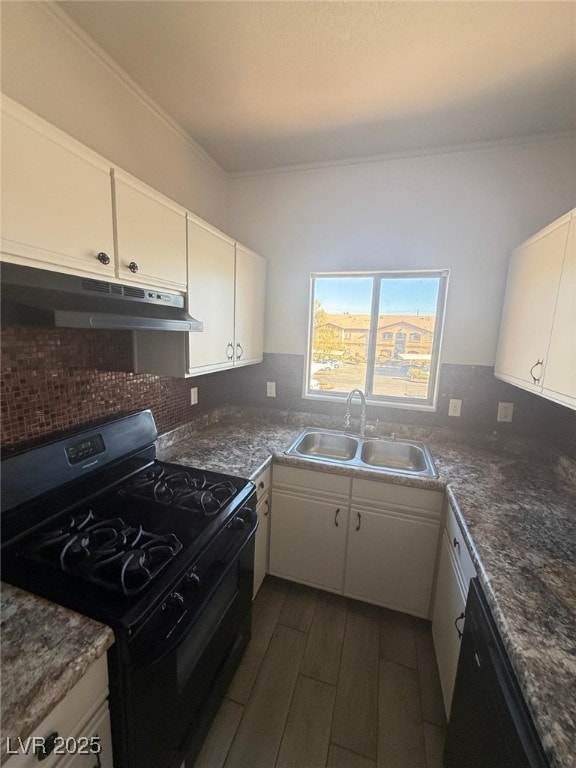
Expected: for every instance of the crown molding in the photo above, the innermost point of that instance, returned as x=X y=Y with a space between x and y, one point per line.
x=448 y=149
x=73 y=29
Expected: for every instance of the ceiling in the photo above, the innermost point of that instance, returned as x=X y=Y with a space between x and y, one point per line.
x=268 y=84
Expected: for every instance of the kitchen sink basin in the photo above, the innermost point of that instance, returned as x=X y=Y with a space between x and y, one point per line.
x=394 y=455
x=406 y=457
x=328 y=445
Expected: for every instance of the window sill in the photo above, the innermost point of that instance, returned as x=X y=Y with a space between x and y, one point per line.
x=372 y=403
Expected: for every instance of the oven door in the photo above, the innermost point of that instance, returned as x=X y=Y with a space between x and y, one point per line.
x=163 y=699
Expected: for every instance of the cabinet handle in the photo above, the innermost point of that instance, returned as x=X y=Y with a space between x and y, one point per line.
x=456 y=543
x=460 y=618
x=133 y=267
x=103 y=258
x=239 y=351
x=359 y=521
x=261 y=484
x=336 y=517
x=267 y=508
x=230 y=351
x=536 y=379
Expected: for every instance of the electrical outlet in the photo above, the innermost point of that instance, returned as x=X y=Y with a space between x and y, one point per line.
x=270 y=389
x=505 y=411
x=193 y=395
x=455 y=408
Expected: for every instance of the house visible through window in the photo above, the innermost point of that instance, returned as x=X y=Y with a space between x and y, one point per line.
x=376 y=332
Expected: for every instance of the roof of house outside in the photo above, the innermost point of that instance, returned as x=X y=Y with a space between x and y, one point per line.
x=361 y=322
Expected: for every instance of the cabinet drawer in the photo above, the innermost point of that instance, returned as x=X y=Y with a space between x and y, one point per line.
x=68 y=718
x=308 y=480
x=389 y=494
x=263 y=483
x=462 y=557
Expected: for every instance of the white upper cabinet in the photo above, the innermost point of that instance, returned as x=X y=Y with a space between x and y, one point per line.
x=210 y=297
x=536 y=347
x=56 y=198
x=150 y=234
x=226 y=284
x=560 y=378
x=249 y=307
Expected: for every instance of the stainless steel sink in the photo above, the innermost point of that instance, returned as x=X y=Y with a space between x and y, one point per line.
x=406 y=457
x=392 y=454
x=328 y=445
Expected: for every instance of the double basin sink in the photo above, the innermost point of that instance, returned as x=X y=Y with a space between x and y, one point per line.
x=381 y=454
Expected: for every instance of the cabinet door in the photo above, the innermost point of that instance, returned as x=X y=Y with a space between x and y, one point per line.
x=308 y=540
x=261 y=543
x=391 y=559
x=98 y=726
x=560 y=377
x=56 y=199
x=449 y=605
x=531 y=294
x=150 y=233
x=210 y=297
x=82 y=712
x=249 y=319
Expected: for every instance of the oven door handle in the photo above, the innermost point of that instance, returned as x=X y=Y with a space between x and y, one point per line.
x=183 y=626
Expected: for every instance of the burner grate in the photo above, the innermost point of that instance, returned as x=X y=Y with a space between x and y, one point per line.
x=192 y=491
x=107 y=552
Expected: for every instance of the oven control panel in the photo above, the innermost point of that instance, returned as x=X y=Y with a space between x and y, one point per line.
x=85 y=449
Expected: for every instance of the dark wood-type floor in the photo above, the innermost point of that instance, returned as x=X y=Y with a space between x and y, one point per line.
x=329 y=682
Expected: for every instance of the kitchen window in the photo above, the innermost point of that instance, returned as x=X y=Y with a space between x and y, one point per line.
x=379 y=332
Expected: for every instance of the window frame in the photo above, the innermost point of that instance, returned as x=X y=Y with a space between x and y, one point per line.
x=383 y=401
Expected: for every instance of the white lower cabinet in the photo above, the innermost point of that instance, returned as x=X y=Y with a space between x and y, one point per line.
x=454 y=573
x=99 y=725
x=370 y=540
x=309 y=526
x=261 y=544
x=80 y=721
x=309 y=540
x=392 y=545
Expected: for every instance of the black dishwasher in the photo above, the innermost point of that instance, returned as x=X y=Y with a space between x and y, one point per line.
x=490 y=726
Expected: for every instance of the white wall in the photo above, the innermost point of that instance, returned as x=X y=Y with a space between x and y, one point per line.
x=49 y=69
x=463 y=210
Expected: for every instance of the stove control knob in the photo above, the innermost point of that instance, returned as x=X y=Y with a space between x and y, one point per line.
x=174 y=601
x=192 y=581
x=238 y=523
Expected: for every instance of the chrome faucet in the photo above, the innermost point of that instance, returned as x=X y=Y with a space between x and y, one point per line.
x=348 y=415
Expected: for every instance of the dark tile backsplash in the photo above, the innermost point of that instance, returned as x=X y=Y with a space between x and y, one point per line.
x=57 y=379
x=476 y=386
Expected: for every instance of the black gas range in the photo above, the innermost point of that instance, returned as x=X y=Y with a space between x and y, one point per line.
x=161 y=553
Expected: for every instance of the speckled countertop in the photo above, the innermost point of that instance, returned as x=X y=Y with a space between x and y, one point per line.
x=516 y=504
x=45 y=651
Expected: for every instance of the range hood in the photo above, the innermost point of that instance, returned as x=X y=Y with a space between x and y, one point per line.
x=41 y=297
